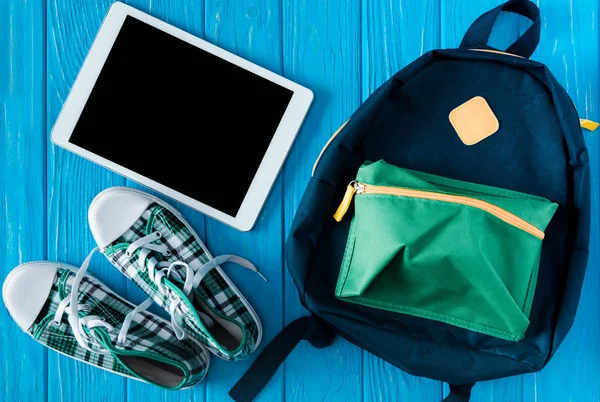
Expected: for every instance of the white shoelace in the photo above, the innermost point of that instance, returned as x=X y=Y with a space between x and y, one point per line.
x=157 y=270
x=91 y=321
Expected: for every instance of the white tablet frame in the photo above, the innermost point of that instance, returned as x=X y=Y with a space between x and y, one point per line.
x=272 y=161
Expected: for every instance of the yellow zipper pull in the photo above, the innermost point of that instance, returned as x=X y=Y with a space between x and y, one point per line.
x=353 y=188
x=346 y=201
x=589 y=124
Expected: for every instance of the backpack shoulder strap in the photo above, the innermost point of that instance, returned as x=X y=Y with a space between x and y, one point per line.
x=314 y=330
x=266 y=364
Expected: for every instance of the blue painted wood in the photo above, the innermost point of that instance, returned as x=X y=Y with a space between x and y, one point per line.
x=569 y=46
x=252 y=30
x=321 y=51
x=343 y=51
x=393 y=35
x=72 y=184
x=22 y=183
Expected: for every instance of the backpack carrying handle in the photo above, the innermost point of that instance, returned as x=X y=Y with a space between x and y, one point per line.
x=478 y=34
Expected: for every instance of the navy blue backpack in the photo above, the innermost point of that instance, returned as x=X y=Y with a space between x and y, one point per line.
x=538 y=149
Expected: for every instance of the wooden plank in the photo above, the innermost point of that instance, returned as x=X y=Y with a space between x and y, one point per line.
x=503 y=390
x=189 y=16
x=457 y=17
x=321 y=50
x=22 y=183
x=72 y=184
x=393 y=35
x=384 y=382
x=569 y=47
x=253 y=31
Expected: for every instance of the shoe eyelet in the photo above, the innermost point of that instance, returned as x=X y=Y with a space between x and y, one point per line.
x=167 y=253
x=158 y=234
x=87 y=307
x=56 y=323
x=127 y=254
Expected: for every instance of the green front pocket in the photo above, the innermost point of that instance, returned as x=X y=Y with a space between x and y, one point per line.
x=456 y=252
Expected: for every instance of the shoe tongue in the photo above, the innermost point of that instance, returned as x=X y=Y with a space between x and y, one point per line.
x=91 y=293
x=65 y=285
x=88 y=293
x=171 y=227
x=189 y=304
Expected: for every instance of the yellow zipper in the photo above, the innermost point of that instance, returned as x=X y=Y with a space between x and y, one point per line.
x=497 y=52
x=361 y=188
x=327 y=145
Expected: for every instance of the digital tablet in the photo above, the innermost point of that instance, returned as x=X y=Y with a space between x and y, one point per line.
x=181 y=116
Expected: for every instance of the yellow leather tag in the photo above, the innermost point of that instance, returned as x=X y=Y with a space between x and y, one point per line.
x=588 y=124
x=474 y=121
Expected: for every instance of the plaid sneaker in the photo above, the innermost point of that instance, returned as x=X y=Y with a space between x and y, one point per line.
x=107 y=332
x=150 y=243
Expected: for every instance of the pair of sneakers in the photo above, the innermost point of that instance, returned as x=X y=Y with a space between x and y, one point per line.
x=71 y=312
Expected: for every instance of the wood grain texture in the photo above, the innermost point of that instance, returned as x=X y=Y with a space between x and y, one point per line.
x=321 y=51
x=340 y=49
x=22 y=183
x=252 y=30
x=569 y=47
x=72 y=184
x=393 y=35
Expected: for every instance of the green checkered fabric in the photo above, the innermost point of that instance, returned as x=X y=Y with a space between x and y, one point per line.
x=149 y=336
x=215 y=290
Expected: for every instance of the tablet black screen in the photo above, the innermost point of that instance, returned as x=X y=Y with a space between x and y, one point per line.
x=181 y=116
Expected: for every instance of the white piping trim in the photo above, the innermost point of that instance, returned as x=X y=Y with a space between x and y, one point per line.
x=326 y=145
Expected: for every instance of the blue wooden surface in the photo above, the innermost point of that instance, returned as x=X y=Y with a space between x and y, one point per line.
x=340 y=49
